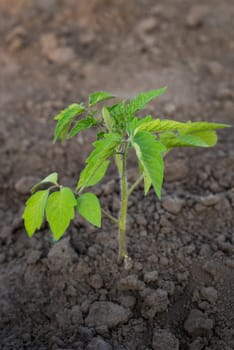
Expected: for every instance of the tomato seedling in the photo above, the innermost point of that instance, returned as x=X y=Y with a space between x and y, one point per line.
x=119 y=128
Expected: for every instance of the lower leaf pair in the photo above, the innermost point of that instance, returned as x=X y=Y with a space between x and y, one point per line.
x=59 y=209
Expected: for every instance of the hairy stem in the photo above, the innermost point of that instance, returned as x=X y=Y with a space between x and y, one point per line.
x=124 y=203
x=118 y=162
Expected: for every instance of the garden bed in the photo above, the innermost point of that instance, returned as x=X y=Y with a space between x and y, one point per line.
x=177 y=291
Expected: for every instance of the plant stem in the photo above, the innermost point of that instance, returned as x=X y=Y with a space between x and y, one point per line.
x=136 y=183
x=118 y=162
x=123 y=204
x=109 y=216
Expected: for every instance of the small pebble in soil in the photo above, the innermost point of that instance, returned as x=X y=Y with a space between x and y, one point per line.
x=197 y=344
x=164 y=340
x=141 y=220
x=61 y=256
x=195 y=17
x=198 y=324
x=106 y=313
x=87 y=38
x=176 y=170
x=16 y=38
x=170 y=108
x=173 y=204
x=215 y=68
x=147 y=26
x=51 y=49
x=47 y=6
x=130 y=282
x=76 y=315
x=168 y=286
x=210 y=200
x=5 y=233
x=154 y=301
x=127 y=301
x=2 y=258
x=151 y=276
x=33 y=257
x=98 y=343
x=210 y=294
x=96 y=281
x=163 y=260
x=86 y=333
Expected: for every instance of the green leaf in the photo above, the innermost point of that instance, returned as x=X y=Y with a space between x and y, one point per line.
x=65 y=118
x=99 y=96
x=136 y=122
x=192 y=140
x=100 y=135
x=71 y=109
x=108 y=120
x=34 y=211
x=60 y=211
x=53 y=177
x=104 y=149
x=140 y=101
x=117 y=111
x=197 y=139
x=149 y=152
x=63 y=133
x=88 y=206
x=159 y=125
x=47 y=181
x=191 y=127
x=81 y=125
x=209 y=137
x=147 y=181
x=99 y=174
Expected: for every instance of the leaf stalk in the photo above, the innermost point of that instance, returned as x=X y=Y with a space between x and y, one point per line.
x=135 y=184
x=109 y=216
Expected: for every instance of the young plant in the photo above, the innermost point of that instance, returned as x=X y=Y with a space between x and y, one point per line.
x=119 y=128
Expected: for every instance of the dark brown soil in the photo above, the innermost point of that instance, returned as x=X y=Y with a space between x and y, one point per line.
x=178 y=290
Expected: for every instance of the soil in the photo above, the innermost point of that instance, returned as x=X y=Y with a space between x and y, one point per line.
x=178 y=290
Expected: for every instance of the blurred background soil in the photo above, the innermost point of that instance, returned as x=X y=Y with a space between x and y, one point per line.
x=178 y=291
